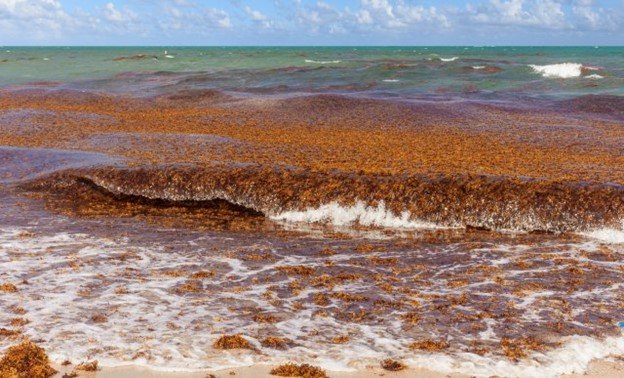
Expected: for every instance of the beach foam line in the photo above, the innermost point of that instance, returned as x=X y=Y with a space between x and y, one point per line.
x=561 y=70
x=573 y=357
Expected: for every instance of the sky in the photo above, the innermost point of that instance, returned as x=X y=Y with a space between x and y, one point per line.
x=311 y=22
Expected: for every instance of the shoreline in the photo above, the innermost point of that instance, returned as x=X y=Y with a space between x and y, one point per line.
x=603 y=368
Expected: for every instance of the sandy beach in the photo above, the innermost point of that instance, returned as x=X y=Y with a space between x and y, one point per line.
x=597 y=369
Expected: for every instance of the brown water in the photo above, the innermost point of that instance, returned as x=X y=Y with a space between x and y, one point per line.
x=200 y=222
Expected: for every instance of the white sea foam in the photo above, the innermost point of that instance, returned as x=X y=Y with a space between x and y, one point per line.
x=607 y=235
x=60 y=265
x=391 y=80
x=478 y=67
x=594 y=76
x=323 y=61
x=573 y=357
x=338 y=215
x=449 y=59
x=562 y=70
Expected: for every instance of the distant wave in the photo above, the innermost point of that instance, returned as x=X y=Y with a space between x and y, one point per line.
x=594 y=76
x=449 y=59
x=323 y=61
x=561 y=70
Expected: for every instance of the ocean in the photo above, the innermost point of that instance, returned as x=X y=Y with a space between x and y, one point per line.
x=459 y=209
x=492 y=73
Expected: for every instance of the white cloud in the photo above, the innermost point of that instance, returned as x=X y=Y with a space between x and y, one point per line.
x=38 y=18
x=592 y=17
x=112 y=14
x=258 y=17
x=547 y=14
x=53 y=20
x=192 y=19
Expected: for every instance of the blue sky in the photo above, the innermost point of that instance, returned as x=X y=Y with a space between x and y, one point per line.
x=311 y=22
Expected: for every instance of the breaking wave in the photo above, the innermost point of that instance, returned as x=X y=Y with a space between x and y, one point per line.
x=360 y=214
x=337 y=198
x=323 y=61
x=561 y=70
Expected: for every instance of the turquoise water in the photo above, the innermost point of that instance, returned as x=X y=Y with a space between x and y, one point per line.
x=485 y=72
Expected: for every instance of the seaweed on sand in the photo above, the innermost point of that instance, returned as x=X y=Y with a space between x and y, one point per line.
x=293 y=370
x=393 y=365
x=26 y=360
x=88 y=366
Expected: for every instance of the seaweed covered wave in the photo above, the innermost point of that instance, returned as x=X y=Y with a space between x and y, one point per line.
x=338 y=198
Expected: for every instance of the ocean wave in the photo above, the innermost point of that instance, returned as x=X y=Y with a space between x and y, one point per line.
x=449 y=59
x=594 y=76
x=561 y=70
x=323 y=61
x=476 y=201
x=358 y=214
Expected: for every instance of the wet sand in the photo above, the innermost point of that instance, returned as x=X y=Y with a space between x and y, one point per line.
x=597 y=369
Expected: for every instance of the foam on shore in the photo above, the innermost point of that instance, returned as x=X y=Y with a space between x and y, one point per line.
x=574 y=356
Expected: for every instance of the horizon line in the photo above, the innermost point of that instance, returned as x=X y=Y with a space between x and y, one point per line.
x=317 y=46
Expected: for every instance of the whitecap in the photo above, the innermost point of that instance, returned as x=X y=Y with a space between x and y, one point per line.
x=391 y=80
x=323 y=61
x=561 y=70
x=339 y=215
x=449 y=59
x=478 y=67
x=594 y=76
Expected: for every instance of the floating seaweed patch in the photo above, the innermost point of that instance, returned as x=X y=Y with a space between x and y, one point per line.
x=276 y=342
x=8 y=288
x=232 y=342
x=429 y=345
